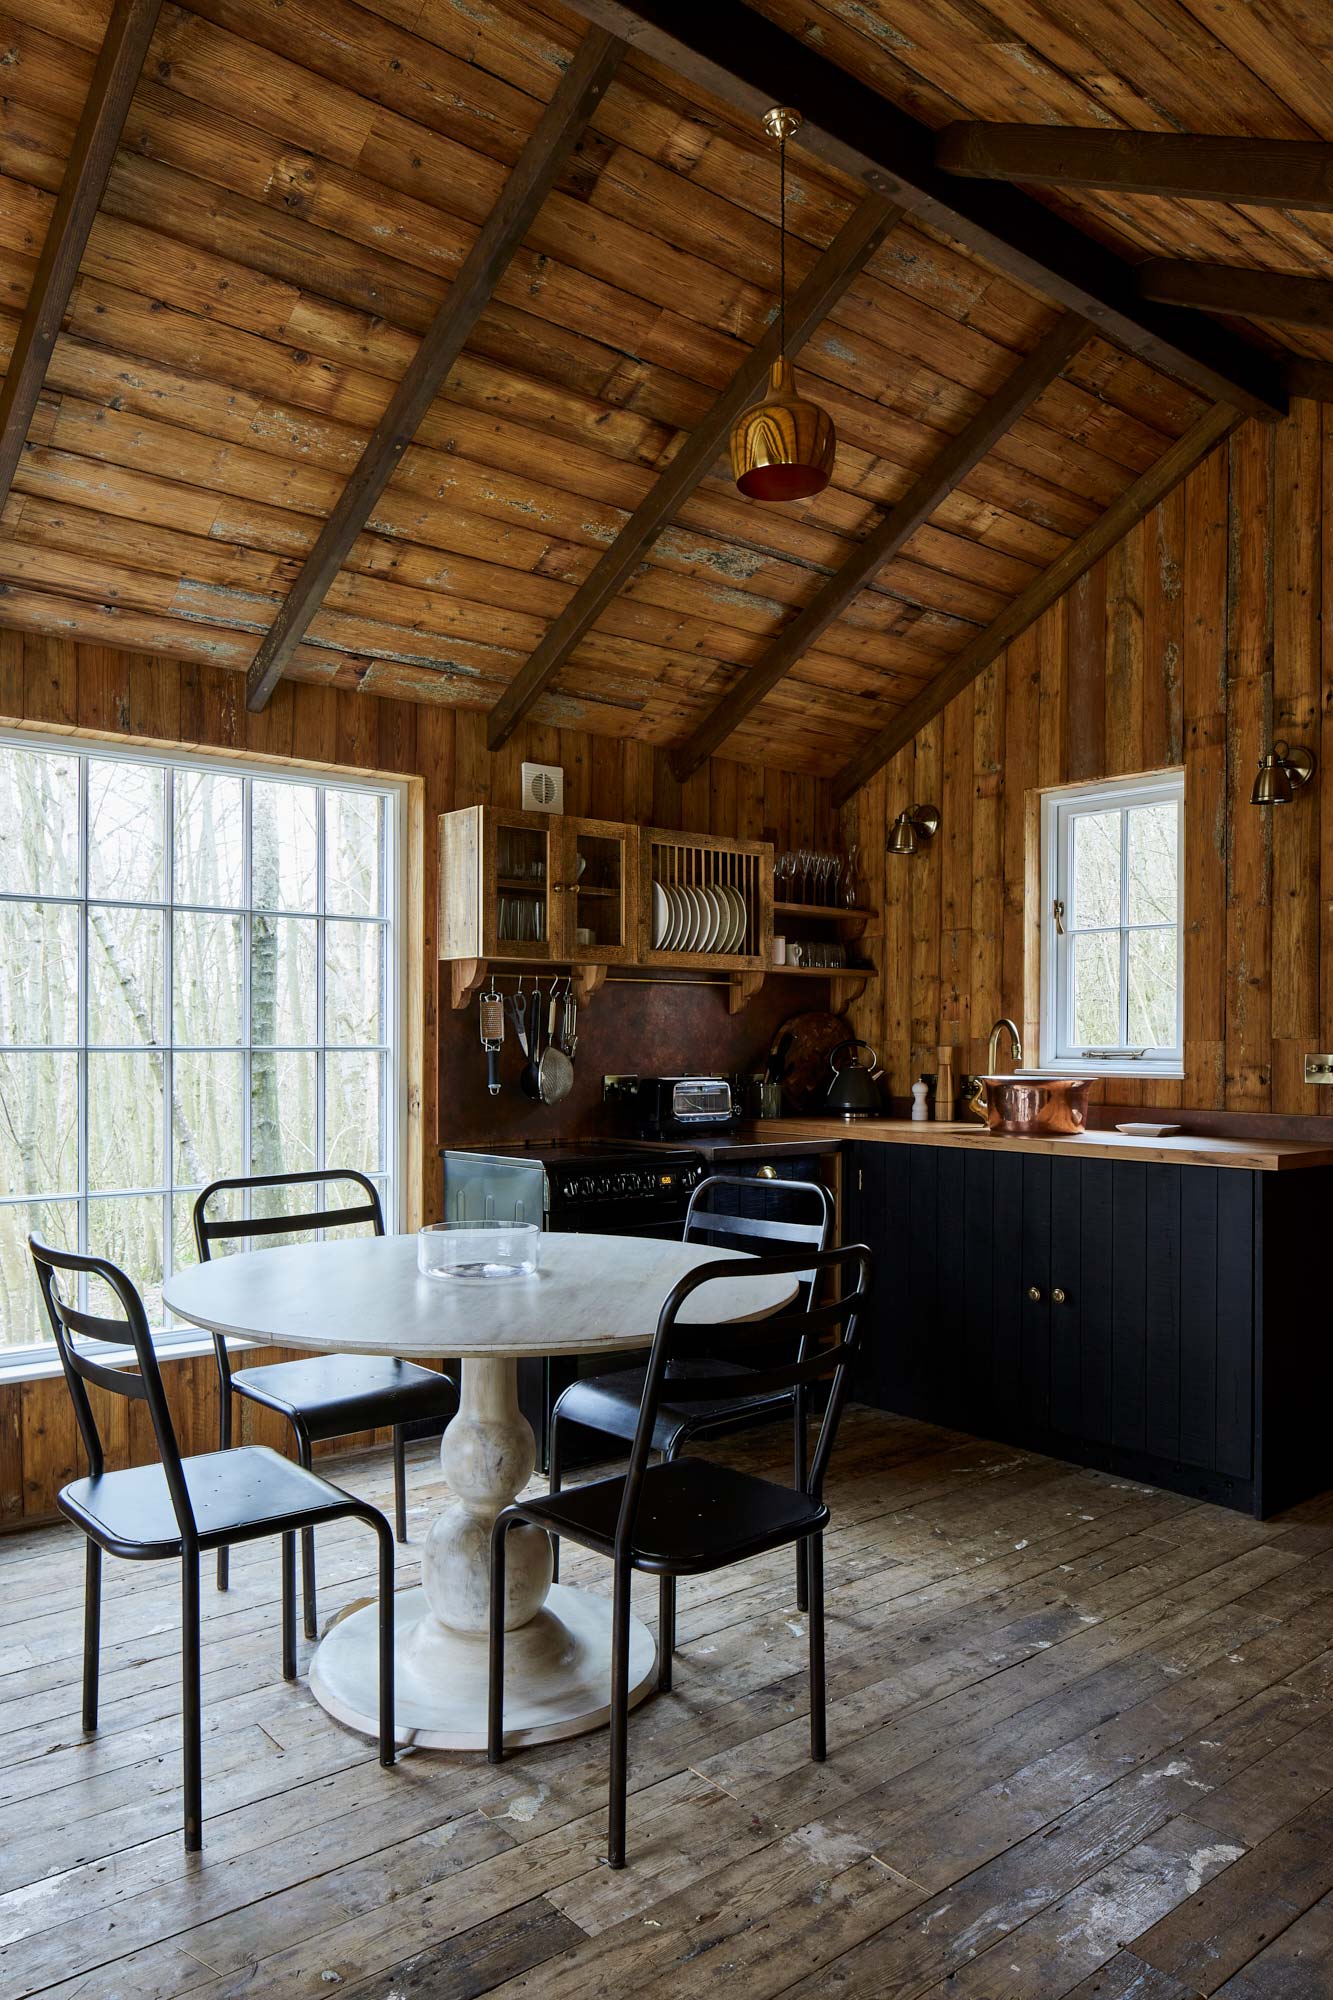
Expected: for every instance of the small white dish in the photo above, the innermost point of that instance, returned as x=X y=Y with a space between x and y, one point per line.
x=1148 y=1131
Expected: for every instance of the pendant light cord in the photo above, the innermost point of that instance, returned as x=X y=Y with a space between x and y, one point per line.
x=782 y=245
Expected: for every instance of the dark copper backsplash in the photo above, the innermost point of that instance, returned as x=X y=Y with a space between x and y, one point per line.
x=649 y=1030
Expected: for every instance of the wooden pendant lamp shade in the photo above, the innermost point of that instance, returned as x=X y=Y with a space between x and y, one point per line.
x=783 y=447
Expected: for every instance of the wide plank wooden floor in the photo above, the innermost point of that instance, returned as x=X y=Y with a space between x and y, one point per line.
x=1081 y=1743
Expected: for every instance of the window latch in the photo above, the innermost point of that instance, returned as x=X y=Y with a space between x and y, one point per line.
x=1058 y=912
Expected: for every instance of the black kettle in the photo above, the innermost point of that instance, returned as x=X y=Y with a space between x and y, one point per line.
x=852 y=1088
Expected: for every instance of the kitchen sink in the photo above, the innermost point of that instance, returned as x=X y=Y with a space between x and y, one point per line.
x=1030 y=1104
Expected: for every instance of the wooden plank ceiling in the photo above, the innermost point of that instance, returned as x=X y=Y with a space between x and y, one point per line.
x=300 y=181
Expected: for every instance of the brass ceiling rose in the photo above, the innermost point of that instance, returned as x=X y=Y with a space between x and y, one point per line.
x=784 y=447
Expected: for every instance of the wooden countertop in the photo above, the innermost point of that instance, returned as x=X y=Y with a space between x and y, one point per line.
x=1189 y=1150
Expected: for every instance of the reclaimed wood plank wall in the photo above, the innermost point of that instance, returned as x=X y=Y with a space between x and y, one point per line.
x=54 y=683
x=1196 y=640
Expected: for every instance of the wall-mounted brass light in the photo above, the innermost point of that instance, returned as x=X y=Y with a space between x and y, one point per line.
x=1281 y=774
x=914 y=829
x=783 y=447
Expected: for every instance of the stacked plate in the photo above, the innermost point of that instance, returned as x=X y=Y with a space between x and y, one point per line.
x=707 y=918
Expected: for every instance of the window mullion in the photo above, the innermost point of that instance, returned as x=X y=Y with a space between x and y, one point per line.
x=82 y=1233
x=321 y=941
x=168 y=1025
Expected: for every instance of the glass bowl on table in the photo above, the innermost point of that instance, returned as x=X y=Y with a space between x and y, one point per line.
x=478 y=1252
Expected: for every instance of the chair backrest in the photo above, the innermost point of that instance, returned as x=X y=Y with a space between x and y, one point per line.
x=69 y=1324
x=826 y=1339
x=209 y=1230
x=719 y=1209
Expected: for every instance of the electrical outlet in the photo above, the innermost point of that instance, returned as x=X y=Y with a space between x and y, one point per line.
x=1319 y=1069
x=618 y=1089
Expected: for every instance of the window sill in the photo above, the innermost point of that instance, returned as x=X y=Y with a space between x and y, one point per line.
x=1117 y=1072
x=45 y=1366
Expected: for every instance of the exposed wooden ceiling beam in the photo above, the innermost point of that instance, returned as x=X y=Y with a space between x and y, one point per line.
x=885 y=539
x=1136 y=501
x=850 y=250
x=748 y=62
x=1305 y=377
x=1227 y=288
x=537 y=169
x=115 y=75
x=1277 y=173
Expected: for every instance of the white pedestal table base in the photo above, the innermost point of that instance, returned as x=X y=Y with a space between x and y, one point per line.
x=557 y=1673
x=557 y=1639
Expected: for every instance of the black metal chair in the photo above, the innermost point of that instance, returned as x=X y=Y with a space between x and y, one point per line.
x=610 y=1403
x=326 y=1395
x=687 y=1516
x=181 y=1507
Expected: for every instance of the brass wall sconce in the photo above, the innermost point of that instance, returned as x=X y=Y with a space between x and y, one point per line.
x=914 y=829
x=1281 y=774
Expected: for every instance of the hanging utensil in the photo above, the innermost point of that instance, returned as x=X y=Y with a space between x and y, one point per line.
x=492 y=1035
x=569 y=1035
x=529 y=1082
x=555 y=1072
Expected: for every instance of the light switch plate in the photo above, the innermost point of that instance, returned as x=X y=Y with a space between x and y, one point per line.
x=1319 y=1069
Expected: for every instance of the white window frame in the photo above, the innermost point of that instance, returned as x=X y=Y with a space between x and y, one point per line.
x=1060 y=808
x=394 y=792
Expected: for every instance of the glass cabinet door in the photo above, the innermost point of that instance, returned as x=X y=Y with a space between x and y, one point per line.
x=519 y=876
x=598 y=891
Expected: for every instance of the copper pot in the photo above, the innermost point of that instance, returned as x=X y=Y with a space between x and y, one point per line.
x=1042 y=1107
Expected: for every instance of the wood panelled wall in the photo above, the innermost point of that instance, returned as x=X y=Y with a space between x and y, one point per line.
x=1195 y=641
x=57 y=684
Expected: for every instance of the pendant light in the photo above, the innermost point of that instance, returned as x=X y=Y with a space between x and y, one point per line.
x=783 y=447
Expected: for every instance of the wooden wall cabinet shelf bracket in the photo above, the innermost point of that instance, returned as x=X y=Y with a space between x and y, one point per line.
x=744 y=986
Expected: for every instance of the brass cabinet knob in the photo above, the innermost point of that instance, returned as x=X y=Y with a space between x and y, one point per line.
x=1059 y=1296
x=1034 y=1293
x=766 y=1173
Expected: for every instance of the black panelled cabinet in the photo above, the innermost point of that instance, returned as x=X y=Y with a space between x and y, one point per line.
x=1156 y=1320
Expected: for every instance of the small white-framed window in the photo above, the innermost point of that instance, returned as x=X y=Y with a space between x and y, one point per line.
x=1112 y=926
x=199 y=977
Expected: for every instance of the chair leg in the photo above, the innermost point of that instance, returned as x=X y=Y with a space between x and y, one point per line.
x=666 y=1631
x=388 y=1749
x=224 y=1444
x=92 y=1631
x=553 y=1486
x=814 y=1560
x=620 y=1613
x=798 y=1411
x=400 y=1482
x=303 y=1453
x=495 y=1684
x=289 y=1607
x=190 y=1723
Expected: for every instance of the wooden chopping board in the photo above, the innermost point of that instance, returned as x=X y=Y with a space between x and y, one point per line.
x=814 y=1038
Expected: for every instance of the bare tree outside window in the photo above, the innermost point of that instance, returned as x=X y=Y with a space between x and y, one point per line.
x=195 y=980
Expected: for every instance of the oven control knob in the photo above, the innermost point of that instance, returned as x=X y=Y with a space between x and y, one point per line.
x=602 y=1184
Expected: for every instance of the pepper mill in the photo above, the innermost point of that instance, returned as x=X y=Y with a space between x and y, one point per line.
x=944 y=1085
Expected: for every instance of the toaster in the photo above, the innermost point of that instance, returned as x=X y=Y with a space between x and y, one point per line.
x=678 y=1107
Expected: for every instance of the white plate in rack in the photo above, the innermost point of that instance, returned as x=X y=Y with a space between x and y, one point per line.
x=737 y=903
x=719 y=919
x=661 y=916
x=677 y=908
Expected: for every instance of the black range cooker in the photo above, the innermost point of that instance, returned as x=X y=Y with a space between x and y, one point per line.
x=593 y=1187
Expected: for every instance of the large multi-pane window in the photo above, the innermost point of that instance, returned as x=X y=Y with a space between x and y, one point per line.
x=196 y=979
x=1112 y=925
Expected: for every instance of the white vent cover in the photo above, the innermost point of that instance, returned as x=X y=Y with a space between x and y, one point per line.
x=543 y=788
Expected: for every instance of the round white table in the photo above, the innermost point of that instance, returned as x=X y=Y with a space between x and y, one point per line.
x=592 y=1295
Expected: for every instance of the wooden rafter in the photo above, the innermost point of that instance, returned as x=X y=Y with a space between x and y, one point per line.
x=1287 y=296
x=733 y=52
x=1279 y=173
x=1136 y=501
x=885 y=539
x=538 y=168
x=105 y=108
x=855 y=243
